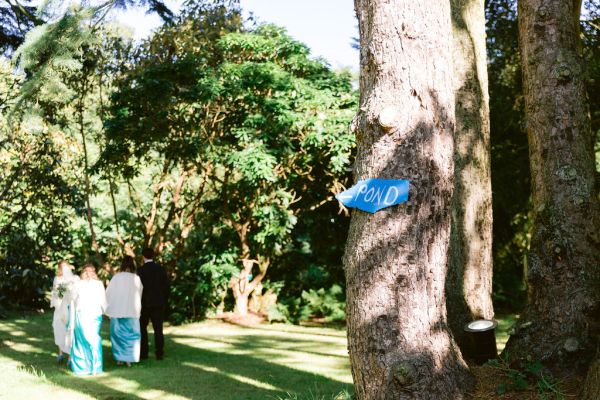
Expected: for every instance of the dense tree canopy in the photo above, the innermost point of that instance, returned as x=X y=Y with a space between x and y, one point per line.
x=245 y=123
x=215 y=141
x=215 y=172
x=38 y=195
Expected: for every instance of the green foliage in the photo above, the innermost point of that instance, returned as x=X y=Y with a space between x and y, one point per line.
x=509 y=147
x=70 y=65
x=15 y=21
x=50 y=123
x=509 y=154
x=530 y=377
x=280 y=312
x=328 y=304
x=219 y=268
x=36 y=195
x=248 y=135
x=509 y=283
x=590 y=29
x=246 y=110
x=50 y=52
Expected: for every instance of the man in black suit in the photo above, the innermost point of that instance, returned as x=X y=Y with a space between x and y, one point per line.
x=154 y=302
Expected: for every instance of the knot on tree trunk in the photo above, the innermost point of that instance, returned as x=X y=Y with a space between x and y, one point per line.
x=403 y=374
x=388 y=119
x=571 y=345
x=563 y=74
x=567 y=173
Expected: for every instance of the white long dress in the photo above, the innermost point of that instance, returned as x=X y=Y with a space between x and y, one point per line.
x=59 y=319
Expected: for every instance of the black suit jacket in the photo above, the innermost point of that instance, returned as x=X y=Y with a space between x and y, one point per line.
x=156 y=285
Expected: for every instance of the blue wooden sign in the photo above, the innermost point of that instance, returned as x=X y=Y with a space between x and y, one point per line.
x=371 y=195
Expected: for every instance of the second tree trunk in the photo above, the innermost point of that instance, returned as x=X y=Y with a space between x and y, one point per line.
x=560 y=324
x=469 y=282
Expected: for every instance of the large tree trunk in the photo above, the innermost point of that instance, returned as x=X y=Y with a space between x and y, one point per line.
x=591 y=388
x=469 y=281
x=559 y=325
x=399 y=342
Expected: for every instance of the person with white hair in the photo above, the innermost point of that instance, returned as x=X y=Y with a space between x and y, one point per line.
x=60 y=286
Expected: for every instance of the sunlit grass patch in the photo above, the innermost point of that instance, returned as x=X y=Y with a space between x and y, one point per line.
x=208 y=360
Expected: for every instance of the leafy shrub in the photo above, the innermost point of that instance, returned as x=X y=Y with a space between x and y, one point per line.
x=328 y=304
x=24 y=279
x=201 y=285
x=286 y=310
x=278 y=313
x=322 y=303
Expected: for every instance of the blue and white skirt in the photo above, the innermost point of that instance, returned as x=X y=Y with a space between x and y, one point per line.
x=125 y=337
x=86 y=350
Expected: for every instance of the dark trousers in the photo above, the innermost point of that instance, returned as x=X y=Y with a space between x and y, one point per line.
x=157 y=316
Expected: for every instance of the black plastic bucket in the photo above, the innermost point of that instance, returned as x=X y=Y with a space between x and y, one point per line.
x=481 y=345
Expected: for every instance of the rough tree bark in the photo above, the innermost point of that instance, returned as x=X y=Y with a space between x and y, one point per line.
x=395 y=260
x=560 y=323
x=591 y=388
x=469 y=281
x=242 y=285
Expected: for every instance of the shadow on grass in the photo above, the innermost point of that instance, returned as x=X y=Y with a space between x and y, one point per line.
x=187 y=371
x=268 y=342
x=308 y=330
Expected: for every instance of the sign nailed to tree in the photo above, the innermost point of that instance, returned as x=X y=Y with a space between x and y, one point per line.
x=372 y=195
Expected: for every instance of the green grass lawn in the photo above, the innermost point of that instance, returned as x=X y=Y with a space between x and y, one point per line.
x=208 y=360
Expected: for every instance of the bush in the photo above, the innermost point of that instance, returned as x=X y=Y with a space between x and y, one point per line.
x=278 y=313
x=201 y=286
x=24 y=278
x=328 y=304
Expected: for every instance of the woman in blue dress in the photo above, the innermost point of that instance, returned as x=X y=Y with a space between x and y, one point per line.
x=87 y=303
x=124 y=304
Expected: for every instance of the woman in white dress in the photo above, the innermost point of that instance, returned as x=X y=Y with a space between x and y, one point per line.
x=123 y=306
x=60 y=287
x=87 y=302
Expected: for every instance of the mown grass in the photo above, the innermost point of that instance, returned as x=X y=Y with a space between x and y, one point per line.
x=208 y=360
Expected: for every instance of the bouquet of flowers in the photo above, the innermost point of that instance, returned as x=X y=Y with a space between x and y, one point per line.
x=61 y=289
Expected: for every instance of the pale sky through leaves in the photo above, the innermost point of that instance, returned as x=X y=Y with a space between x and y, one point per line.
x=326 y=26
